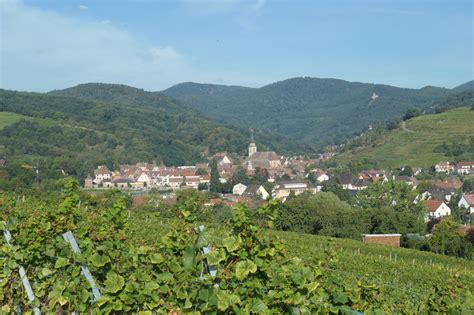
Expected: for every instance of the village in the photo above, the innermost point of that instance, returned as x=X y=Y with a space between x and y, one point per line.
x=283 y=177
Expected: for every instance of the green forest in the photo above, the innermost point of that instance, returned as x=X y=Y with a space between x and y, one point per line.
x=312 y=111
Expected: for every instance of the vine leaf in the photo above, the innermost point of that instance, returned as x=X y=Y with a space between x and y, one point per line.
x=244 y=268
x=98 y=260
x=232 y=243
x=114 y=282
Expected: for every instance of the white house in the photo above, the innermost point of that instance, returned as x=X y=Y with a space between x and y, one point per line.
x=436 y=209
x=102 y=174
x=464 y=168
x=175 y=181
x=192 y=181
x=256 y=191
x=320 y=176
x=444 y=167
x=467 y=202
x=145 y=179
x=239 y=189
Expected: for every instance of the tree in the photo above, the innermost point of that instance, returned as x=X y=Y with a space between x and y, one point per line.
x=203 y=186
x=260 y=177
x=468 y=185
x=322 y=213
x=392 y=194
x=411 y=113
x=447 y=239
x=387 y=220
x=406 y=171
x=334 y=187
x=215 y=182
x=240 y=176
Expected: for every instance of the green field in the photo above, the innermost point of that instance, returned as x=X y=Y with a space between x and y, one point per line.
x=401 y=274
x=415 y=146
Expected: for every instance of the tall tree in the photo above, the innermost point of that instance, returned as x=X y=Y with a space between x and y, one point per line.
x=448 y=240
x=215 y=182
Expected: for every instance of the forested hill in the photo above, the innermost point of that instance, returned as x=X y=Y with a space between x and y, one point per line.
x=123 y=94
x=76 y=135
x=468 y=86
x=308 y=110
x=133 y=97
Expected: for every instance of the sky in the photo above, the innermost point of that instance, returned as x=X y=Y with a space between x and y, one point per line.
x=46 y=45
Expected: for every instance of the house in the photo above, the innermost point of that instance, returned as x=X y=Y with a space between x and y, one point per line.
x=283 y=190
x=464 y=168
x=222 y=159
x=107 y=184
x=175 y=181
x=239 y=189
x=436 y=209
x=438 y=194
x=467 y=202
x=102 y=173
x=359 y=184
x=256 y=191
x=145 y=179
x=346 y=180
x=382 y=239
x=320 y=175
x=192 y=181
x=204 y=179
x=122 y=182
x=406 y=179
x=444 y=167
x=353 y=183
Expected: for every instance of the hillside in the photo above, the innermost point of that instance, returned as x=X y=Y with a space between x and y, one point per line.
x=422 y=141
x=468 y=86
x=61 y=132
x=308 y=110
x=139 y=98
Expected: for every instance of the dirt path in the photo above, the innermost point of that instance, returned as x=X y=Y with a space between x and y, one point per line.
x=404 y=128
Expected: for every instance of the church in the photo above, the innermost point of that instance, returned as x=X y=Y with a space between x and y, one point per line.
x=265 y=160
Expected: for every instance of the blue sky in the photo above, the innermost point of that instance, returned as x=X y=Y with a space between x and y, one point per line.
x=49 y=45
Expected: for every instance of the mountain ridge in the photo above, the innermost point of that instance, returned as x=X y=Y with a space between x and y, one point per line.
x=307 y=110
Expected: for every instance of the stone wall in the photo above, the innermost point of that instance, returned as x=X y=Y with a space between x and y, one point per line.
x=388 y=239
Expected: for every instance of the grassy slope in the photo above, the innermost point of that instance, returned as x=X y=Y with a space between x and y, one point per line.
x=7 y=118
x=402 y=274
x=400 y=147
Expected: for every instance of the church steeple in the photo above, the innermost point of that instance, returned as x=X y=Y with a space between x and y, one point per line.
x=252 y=145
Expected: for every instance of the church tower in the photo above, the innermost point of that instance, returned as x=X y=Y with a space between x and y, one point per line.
x=252 y=146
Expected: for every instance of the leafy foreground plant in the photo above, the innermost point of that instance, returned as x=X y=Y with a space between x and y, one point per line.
x=254 y=275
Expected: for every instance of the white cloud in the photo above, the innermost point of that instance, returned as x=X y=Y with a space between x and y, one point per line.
x=82 y=7
x=43 y=50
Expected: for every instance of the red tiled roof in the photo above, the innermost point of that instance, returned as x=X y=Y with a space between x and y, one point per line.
x=433 y=205
x=469 y=198
x=464 y=163
x=454 y=183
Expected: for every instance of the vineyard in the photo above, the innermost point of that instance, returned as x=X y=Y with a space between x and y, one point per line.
x=133 y=262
